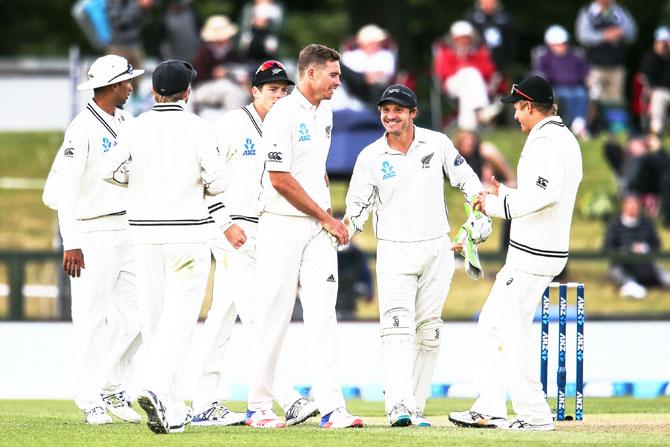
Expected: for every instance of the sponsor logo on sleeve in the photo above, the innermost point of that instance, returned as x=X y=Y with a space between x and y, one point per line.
x=249 y=148
x=303 y=133
x=275 y=157
x=69 y=152
x=542 y=182
x=459 y=160
x=387 y=170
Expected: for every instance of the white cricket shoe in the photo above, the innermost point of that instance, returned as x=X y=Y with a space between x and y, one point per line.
x=217 y=414
x=521 y=425
x=419 y=420
x=472 y=419
x=156 y=413
x=301 y=410
x=97 y=416
x=399 y=416
x=119 y=405
x=263 y=419
x=341 y=418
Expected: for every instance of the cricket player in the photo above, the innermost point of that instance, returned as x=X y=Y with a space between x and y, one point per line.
x=169 y=160
x=294 y=245
x=400 y=179
x=96 y=251
x=540 y=208
x=239 y=134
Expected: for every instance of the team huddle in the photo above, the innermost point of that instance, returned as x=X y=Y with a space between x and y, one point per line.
x=143 y=204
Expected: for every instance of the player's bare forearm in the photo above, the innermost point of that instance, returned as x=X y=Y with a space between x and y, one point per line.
x=294 y=193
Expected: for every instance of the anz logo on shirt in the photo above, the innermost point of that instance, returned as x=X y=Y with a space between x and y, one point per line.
x=303 y=131
x=107 y=144
x=388 y=171
x=249 y=148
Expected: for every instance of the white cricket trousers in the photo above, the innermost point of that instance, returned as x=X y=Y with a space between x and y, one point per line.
x=171 y=283
x=295 y=251
x=105 y=321
x=413 y=280
x=234 y=293
x=505 y=354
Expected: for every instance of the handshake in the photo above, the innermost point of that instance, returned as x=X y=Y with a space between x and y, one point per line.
x=340 y=232
x=475 y=230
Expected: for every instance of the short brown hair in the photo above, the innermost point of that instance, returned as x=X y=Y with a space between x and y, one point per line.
x=315 y=54
x=160 y=99
x=543 y=108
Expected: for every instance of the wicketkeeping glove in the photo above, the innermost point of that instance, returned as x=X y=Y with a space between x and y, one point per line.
x=478 y=225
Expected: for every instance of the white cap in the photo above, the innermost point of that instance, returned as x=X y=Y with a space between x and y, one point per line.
x=218 y=28
x=556 y=34
x=662 y=33
x=370 y=34
x=108 y=70
x=461 y=28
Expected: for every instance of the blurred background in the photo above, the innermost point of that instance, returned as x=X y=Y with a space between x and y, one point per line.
x=608 y=61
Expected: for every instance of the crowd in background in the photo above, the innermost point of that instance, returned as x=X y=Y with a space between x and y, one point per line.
x=472 y=67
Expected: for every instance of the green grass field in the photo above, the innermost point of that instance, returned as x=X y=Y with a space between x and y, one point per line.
x=608 y=421
x=26 y=224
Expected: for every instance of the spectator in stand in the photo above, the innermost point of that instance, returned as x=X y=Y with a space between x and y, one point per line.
x=604 y=29
x=367 y=69
x=496 y=28
x=626 y=163
x=260 y=26
x=125 y=22
x=465 y=70
x=656 y=70
x=222 y=77
x=566 y=71
x=179 y=31
x=631 y=240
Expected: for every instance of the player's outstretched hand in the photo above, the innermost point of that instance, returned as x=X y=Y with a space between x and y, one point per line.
x=495 y=186
x=73 y=262
x=337 y=229
x=235 y=235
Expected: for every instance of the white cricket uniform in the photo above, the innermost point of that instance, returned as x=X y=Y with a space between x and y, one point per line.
x=91 y=216
x=548 y=173
x=239 y=135
x=415 y=263
x=172 y=159
x=294 y=250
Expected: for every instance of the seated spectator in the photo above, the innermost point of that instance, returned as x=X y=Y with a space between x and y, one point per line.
x=260 y=26
x=222 y=77
x=656 y=70
x=465 y=70
x=631 y=240
x=566 y=71
x=487 y=161
x=644 y=170
x=605 y=29
x=495 y=26
x=367 y=69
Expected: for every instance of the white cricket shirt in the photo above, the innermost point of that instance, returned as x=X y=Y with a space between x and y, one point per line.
x=173 y=160
x=296 y=139
x=548 y=176
x=74 y=187
x=405 y=192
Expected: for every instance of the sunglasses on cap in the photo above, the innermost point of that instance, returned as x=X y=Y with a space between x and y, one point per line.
x=128 y=70
x=270 y=64
x=515 y=89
